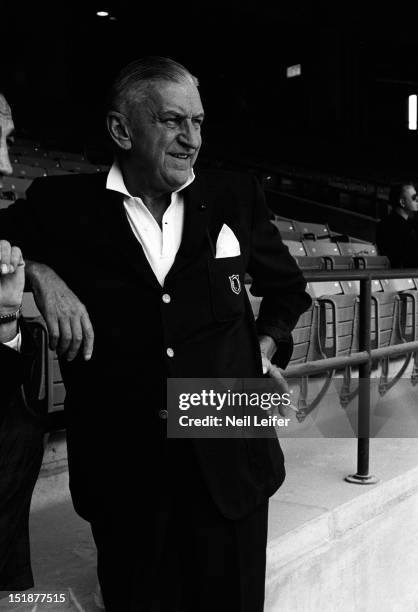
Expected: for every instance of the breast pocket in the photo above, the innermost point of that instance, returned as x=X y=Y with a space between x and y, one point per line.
x=226 y=280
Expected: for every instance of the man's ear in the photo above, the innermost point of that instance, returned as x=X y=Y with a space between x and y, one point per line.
x=117 y=126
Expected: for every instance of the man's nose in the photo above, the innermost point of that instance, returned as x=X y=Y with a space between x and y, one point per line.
x=190 y=135
x=5 y=165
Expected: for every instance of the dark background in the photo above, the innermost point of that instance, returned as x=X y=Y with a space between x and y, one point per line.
x=348 y=109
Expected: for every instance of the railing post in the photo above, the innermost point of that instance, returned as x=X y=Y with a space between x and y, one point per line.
x=362 y=476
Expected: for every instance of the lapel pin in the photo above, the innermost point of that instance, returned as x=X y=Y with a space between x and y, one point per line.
x=203 y=207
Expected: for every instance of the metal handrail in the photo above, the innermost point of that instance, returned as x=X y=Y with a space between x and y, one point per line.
x=363 y=358
x=330 y=275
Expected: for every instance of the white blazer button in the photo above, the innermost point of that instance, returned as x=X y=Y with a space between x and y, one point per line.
x=170 y=352
x=166 y=298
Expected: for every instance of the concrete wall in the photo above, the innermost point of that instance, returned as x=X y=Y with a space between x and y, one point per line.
x=360 y=557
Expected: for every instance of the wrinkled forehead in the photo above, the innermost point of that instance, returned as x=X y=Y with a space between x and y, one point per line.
x=173 y=94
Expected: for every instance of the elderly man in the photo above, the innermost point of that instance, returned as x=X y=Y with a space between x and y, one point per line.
x=157 y=258
x=21 y=430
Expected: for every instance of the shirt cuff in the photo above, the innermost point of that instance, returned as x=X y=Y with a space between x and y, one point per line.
x=15 y=343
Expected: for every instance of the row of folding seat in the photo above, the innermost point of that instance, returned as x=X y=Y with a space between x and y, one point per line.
x=330 y=328
x=35 y=150
x=314 y=255
x=292 y=229
x=15 y=186
x=22 y=167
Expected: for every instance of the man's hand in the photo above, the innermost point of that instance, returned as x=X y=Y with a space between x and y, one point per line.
x=66 y=317
x=12 y=277
x=267 y=349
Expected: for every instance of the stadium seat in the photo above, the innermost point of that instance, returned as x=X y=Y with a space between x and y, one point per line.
x=305 y=337
x=39 y=162
x=398 y=284
x=16 y=185
x=295 y=247
x=324 y=288
x=64 y=155
x=371 y=262
x=330 y=254
x=283 y=225
x=290 y=236
x=385 y=325
x=57 y=172
x=22 y=170
x=357 y=248
x=83 y=167
x=338 y=324
x=317 y=248
x=305 y=263
x=353 y=286
x=26 y=150
x=318 y=230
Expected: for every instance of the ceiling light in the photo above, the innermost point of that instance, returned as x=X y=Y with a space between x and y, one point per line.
x=102 y=14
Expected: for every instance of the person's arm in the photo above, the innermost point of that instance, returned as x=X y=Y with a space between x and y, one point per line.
x=67 y=320
x=278 y=279
x=12 y=281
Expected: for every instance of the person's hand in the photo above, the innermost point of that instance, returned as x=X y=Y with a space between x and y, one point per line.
x=66 y=317
x=267 y=349
x=282 y=386
x=12 y=277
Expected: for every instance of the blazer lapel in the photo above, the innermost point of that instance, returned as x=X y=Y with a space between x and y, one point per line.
x=197 y=205
x=115 y=224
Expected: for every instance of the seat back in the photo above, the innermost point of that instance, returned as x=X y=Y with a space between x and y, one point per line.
x=295 y=248
x=305 y=337
x=318 y=230
x=16 y=185
x=25 y=171
x=357 y=248
x=338 y=324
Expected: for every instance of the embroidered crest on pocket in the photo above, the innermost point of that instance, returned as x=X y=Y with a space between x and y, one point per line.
x=235 y=283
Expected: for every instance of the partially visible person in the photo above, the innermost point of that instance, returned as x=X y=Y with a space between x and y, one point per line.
x=21 y=429
x=397 y=235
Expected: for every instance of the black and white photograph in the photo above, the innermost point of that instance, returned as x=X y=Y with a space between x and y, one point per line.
x=208 y=307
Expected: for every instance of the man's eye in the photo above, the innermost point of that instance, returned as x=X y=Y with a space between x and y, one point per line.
x=198 y=122
x=10 y=142
x=172 y=122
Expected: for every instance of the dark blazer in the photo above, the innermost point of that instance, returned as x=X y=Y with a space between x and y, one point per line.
x=116 y=439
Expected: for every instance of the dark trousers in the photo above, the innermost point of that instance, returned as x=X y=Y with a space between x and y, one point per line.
x=179 y=554
x=21 y=452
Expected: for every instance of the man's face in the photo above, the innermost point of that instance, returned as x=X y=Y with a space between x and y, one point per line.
x=6 y=131
x=409 y=199
x=166 y=135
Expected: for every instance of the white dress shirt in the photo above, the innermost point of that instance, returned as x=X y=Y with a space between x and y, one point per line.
x=160 y=245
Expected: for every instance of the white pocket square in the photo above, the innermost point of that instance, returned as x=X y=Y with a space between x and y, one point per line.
x=227 y=244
